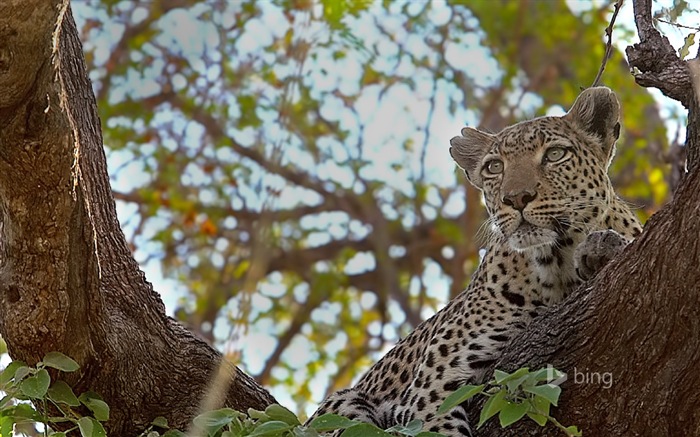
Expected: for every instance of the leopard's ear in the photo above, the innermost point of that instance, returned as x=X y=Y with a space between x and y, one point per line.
x=597 y=112
x=469 y=149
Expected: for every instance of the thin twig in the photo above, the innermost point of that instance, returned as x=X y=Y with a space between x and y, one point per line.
x=697 y=29
x=608 y=45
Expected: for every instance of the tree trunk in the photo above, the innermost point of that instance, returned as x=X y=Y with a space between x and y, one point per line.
x=68 y=281
x=629 y=340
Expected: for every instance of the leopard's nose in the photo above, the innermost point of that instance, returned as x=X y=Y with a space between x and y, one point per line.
x=520 y=199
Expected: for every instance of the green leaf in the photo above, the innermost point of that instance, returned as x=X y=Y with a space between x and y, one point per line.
x=365 y=430
x=35 y=386
x=26 y=411
x=160 y=422
x=22 y=372
x=541 y=405
x=89 y=427
x=62 y=393
x=412 y=428
x=9 y=372
x=216 y=419
x=174 y=433
x=492 y=407
x=300 y=431
x=278 y=412
x=460 y=395
x=503 y=377
x=4 y=401
x=94 y=402
x=687 y=43
x=60 y=361
x=573 y=431
x=271 y=428
x=512 y=412
x=6 y=425
x=57 y=434
x=257 y=415
x=330 y=422
x=248 y=105
x=550 y=392
x=499 y=375
x=513 y=385
x=538 y=418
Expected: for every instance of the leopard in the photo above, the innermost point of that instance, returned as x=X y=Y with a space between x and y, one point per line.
x=554 y=222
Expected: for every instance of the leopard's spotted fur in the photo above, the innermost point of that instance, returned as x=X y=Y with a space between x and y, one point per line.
x=546 y=189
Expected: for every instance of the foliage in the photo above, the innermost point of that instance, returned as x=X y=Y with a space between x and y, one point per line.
x=277 y=421
x=285 y=163
x=58 y=404
x=515 y=395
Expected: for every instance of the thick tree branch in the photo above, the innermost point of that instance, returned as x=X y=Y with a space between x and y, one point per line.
x=68 y=281
x=660 y=67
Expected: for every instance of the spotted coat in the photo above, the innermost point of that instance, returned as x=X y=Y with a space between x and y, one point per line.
x=546 y=189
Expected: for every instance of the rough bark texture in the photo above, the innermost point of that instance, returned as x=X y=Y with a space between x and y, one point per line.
x=68 y=281
x=638 y=320
x=655 y=64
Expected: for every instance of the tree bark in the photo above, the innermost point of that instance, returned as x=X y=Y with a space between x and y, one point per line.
x=637 y=323
x=68 y=281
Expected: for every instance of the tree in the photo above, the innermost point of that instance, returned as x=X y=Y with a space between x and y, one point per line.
x=69 y=282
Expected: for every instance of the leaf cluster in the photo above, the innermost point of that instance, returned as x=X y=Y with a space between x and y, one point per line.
x=277 y=421
x=515 y=395
x=27 y=387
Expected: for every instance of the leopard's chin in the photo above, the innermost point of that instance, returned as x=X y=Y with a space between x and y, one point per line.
x=528 y=236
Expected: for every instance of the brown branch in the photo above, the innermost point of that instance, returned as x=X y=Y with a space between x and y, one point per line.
x=348 y=202
x=277 y=216
x=608 y=45
x=697 y=29
x=659 y=66
x=655 y=60
x=301 y=316
x=371 y=279
x=300 y=260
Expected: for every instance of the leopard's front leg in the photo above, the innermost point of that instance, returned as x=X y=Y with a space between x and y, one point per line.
x=596 y=251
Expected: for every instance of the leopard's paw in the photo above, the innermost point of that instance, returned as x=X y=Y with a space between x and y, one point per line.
x=596 y=251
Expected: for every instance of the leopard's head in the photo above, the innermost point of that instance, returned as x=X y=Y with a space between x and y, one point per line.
x=546 y=179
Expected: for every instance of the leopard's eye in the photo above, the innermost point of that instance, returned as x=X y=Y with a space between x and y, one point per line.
x=554 y=154
x=493 y=167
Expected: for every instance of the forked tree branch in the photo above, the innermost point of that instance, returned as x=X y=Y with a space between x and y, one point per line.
x=654 y=61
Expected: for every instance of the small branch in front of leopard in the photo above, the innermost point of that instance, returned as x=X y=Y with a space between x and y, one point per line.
x=608 y=45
